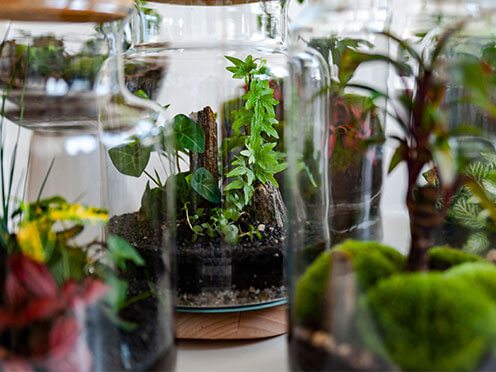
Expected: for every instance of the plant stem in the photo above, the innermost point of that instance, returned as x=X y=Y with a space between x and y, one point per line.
x=153 y=179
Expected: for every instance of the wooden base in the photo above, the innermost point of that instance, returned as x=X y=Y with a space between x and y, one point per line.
x=241 y=325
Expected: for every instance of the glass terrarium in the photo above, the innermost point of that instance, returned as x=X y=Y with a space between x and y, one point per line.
x=213 y=181
x=357 y=116
x=74 y=297
x=427 y=305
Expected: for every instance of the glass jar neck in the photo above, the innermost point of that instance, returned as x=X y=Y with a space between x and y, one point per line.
x=327 y=17
x=202 y=25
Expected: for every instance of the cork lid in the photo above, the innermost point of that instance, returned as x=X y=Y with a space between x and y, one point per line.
x=207 y=2
x=65 y=10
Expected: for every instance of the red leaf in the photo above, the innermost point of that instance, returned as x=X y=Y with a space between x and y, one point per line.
x=43 y=308
x=70 y=292
x=93 y=290
x=63 y=337
x=16 y=365
x=15 y=293
x=35 y=276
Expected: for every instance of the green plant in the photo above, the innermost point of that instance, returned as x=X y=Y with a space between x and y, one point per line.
x=255 y=161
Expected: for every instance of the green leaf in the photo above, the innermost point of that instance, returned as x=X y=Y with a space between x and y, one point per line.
x=121 y=251
x=235 y=185
x=130 y=159
x=203 y=182
x=399 y=155
x=189 y=134
x=154 y=203
x=477 y=243
x=141 y=93
x=117 y=293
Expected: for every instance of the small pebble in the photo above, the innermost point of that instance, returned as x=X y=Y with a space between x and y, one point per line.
x=344 y=350
x=261 y=227
x=491 y=255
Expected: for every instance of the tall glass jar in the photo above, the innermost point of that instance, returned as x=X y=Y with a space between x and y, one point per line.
x=365 y=305
x=72 y=289
x=223 y=66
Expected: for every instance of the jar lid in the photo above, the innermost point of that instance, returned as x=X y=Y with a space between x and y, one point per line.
x=65 y=10
x=207 y=2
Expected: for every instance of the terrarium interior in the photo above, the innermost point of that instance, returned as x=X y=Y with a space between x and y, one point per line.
x=219 y=193
x=365 y=306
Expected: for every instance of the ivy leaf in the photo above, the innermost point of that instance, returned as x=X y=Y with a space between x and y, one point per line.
x=235 y=185
x=189 y=134
x=121 y=251
x=130 y=159
x=203 y=182
x=153 y=203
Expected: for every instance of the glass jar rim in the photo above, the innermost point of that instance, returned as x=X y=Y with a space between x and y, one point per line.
x=98 y=11
x=209 y=2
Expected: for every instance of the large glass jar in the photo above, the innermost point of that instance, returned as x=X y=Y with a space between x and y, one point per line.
x=74 y=296
x=427 y=303
x=223 y=65
x=357 y=117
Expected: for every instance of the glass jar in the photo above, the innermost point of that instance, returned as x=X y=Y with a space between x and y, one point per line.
x=357 y=117
x=368 y=305
x=229 y=214
x=100 y=303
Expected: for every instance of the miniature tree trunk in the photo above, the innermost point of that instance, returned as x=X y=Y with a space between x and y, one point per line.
x=209 y=158
x=267 y=206
x=424 y=218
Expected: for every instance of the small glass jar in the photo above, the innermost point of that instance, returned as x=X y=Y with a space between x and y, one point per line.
x=388 y=304
x=229 y=216
x=100 y=303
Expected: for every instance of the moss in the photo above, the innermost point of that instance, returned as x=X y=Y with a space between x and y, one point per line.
x=372 y=261
x=310 y=289
x=442 y=258
x=428 y=322
x=481 y=274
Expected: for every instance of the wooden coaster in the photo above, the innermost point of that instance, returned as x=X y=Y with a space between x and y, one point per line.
x=242 y=325
x=65 y=11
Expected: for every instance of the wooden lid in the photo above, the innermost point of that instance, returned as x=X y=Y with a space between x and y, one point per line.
x=65 y=10
x=207 y=2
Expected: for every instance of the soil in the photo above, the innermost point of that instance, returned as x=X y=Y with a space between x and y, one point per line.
x=318 y=351
x=356 y=198
x=210 y=272
x=311 y=350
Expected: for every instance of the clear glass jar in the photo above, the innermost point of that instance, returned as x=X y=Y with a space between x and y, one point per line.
x=389 y=304
x=230 y=214
x=100 y=303
x=357 y=119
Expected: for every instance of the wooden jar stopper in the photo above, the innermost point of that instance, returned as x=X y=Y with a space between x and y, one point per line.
x=65 y=11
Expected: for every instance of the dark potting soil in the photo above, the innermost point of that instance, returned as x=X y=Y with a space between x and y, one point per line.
x=311 y=350
x=211 y=272
x=319 y=351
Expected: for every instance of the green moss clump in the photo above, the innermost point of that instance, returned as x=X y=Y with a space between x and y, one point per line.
x=372 y=261
x=310 y=290
x=481 y=274
x=442 y=258
x=428 y=322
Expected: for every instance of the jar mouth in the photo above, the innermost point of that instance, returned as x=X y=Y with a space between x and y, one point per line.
x=98 y=11
x=208 y=2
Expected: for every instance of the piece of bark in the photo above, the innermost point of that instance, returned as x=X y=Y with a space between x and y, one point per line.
x=339 y=304
x=209 y=158
x=267 y=206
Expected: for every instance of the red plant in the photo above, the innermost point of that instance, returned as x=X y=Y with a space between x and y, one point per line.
x=39 y=321
x=348 y=127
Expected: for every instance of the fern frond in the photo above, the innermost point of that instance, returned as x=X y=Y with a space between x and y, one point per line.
x=477 y=243
x=468 y=214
